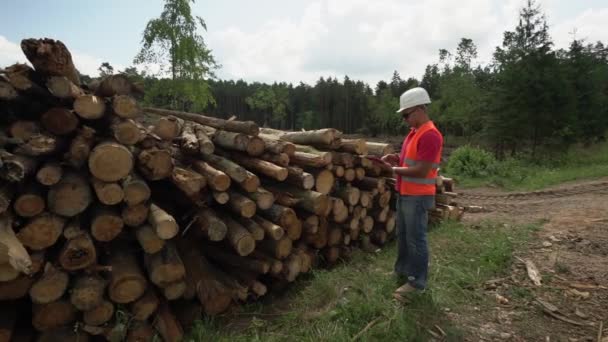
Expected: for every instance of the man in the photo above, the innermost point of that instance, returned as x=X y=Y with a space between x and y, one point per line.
x=415 y=169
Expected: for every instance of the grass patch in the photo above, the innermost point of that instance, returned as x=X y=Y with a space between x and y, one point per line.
x=337 y=304
x=550 y=169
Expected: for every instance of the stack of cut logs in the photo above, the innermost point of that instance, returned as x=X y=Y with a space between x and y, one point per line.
x=100 y=213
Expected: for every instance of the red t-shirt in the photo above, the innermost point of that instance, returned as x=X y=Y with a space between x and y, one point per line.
x=428 y=148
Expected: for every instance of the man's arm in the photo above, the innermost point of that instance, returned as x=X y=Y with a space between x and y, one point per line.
x=392 y=159
x=420 y=170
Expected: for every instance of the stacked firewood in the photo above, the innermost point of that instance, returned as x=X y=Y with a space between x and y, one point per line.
x=166 y=222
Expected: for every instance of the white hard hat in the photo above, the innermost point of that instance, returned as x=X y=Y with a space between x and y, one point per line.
x=412 y=98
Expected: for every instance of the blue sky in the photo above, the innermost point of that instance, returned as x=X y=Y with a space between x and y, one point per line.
x=271 y=40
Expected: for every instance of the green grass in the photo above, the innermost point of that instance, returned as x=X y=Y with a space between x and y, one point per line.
x=337 y=304
x=576 y=164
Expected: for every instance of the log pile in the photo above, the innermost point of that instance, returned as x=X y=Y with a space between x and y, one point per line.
x=183 y=217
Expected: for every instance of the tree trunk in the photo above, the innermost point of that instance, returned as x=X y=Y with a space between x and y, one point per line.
x=126 y=282
x=106 y=223
x=141 y=332
x=286 y=218
x=145 y=306
x=41 y=231
x=136 y=190
x=311 y=160
x=217 y=180
x=221 y=197
x=168 y=128
x=299 y=178
x=167 y=325
x=108 y=193
x=229 y=260
x=135 y=215
x=239 y=237
x=15 y=168
x=263 y=198
x=322 y=136
x=59 y=121
x=90 y=107
x=164 y=224
x=127 y=131
x=241 y=204
x=256 y=231
x=110 y=161
x=87 y=291
x=281 y=159
x=148 y=240
x=165 y=267
x=112 y=85
x=247 y=127
x=50 y=286
x=175 y=290
x=378 y=149
x=23 y=130
x=349 y=194
x=311 y=201
x=273 y=145
x=188 y=181
x=100 y=315
x=7 y=91
x=271 y=230
x=212 y=227
x=30 y=201
x=126 y=107
x=78 y=252
x=344 y=159
x=359 y=173
x=63 y=88
x=50 y=58
x=354 y=146
x=49 y=174
x=80 y=147
x=53 y=315
x=261 y=166
x=251 y=182
x=155 y=164
x=188 y=140
x=205 y=145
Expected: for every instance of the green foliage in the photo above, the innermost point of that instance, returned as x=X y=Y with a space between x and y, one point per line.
x=271 y=100
x=472 y=162
x=173 y=43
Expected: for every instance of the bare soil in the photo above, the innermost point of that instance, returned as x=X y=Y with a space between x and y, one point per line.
x=571 y=253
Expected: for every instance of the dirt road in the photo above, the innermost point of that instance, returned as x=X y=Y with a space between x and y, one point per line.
x=571 y=253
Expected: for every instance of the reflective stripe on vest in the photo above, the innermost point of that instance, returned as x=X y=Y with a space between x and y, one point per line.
x=419 y=180
x=412 y=162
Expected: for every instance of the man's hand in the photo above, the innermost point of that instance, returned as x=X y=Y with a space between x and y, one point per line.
x=391 y=159
x=400 y=171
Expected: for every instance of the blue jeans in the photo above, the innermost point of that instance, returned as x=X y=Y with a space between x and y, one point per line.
x=413 y=254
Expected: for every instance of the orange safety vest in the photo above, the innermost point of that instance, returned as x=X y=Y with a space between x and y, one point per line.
x=413 y=185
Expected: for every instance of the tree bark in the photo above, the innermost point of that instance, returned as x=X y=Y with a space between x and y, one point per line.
x=126 y=107
x=63 y=88
x=212 y=227
x=168 y=128
x=108 y=193
x=12 y=251
x=241 y=205
x=247 y=127
x=164 y=224
x=7 y=91
x=110 y=161
x=165 y=267
x=148 y=240
x=135 y=215
x=145 y=306
x=205 y=145
x=136 y=190
x=355 y=146
x=271 y=230
x=221 y=197
x=281 y=159
x=155 y=164
x=263 y=198
x=15 y=168
x=311 y=160
x=273 y=145
x=41 y=231
x=126 y=282
x=90 y=107
x=106 y=223
x=49 y=174
x=299 y=178
x=216 y=179
x=141 y=331
x=260 y=166
x=311 y=201
x=286 y=218
x=112 y=85
x=229 y=260
x=80 y=147
x=59 y=121
x=167 y=325
x=79 y=252
x=280 y=249
x=127 y=131
x=188 y=181
x=87 y=291
x=50 y=286
x=379 y=149
x=322 y=136
x=50 y=58
x=239 y=237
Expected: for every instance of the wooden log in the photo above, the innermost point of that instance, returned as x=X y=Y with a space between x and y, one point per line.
x=166 y=266
x=263 y=198
x=260 y=166
x=49 y=174
x=136 y=189
x=78 y=252
x=126 y=107
x=239 y=237
x=30 y=201
x=108 y=193
x=80 y=147
x=205 y=145
x=141 y=332
x=299 y=178
x=188 y=140
x=286 y=218
x=391 y=222
x=145 y=306
x=50 y=286
x=106 y=223
x=241 y=205
x=135 y=215
x=279 y=249
x=64 y=334
x=378 y=149
x=110 y=161
x=271 y=230
x=155 y=164
x=359 y=173
x=225 y=258
x=188 y=181
x=251 y=182
x=53 y=315
x=7 y=91
x=167 y=325
x=15 y=289
x=15 y=168
x=334 y=236
x=50 y=58
x=384 y=199
x=87 y=291
x=8 y=320
x=355 y=146
x=216 y=179
x=324 y=181
x=310 y=160
x=281 y=159
x=12 y=252
x=148 y=240
x=7 y=192
x=42 y=144
x=174 y=290
x=318 y=240
x=233 y=170
x=8 y=273
x=126 y=131
x=59 y=121
x=256 y=231
x=63 y=88
x=276 y=146
x=331 y=254
x=378 y=236
x=349 y=194
x=252 y=145
x=310 y=223
x=367 y=224
x=204 y=280
x=41 y=231
x=210 y=225
x=247 y=127
x=100 y=315
x=222 y=197
x=339 y=171
x=23 y=78
x=322 y=136
x=112 y=85
x=168 y=128
x=350 y=175
x=163 y=223
x=311 y=201
x=89 y=107
x=366 y=199
x=344 y=159
x=339 y=212
x=291 y=267
x=126 y=281
x=23 y=130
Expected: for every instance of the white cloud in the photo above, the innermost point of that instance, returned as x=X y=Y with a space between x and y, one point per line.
x=10 y=53
x=589 y=25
